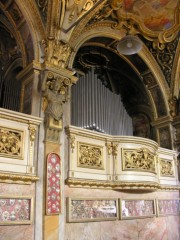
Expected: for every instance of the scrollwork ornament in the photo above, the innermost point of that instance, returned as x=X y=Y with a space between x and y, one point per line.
x=164 y=55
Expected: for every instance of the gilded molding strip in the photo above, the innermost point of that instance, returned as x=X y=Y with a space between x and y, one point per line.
x=19 y=179
x=71 y=182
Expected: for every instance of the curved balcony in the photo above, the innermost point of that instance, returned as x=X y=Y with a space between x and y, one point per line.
x=98 y=160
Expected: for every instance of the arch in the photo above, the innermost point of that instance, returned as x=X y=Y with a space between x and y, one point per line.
x=104 y=31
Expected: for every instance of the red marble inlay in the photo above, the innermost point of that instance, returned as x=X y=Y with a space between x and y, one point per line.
x=15 y=209
x=53 y=189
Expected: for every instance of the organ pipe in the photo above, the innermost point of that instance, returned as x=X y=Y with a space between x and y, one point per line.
x=96 y=108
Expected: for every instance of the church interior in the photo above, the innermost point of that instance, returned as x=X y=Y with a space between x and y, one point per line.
x=89 y=120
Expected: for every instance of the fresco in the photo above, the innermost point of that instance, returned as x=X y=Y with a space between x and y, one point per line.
x=157 y=15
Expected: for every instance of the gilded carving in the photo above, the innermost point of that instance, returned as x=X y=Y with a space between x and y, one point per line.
x=43 y=4
x=72 y=142
x=140 y=159
x=32 y=132
x=78 y=8
x=114 y=149
x=18 y=179
x=166 y=168
x=90 y=156
x=58 y=53
x=109 y=148
x=11 y=142
x=173 y=106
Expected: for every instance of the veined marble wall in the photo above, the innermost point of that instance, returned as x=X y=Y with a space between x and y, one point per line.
x=20 y=231
x=156 y=228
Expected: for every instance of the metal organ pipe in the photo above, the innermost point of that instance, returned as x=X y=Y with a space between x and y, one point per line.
x=96 y=108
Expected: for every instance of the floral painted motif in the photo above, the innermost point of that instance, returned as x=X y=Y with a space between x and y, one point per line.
x=53 y=195
x=137 y=208
x=169 y=206
x=15 y=210
x=81 y=210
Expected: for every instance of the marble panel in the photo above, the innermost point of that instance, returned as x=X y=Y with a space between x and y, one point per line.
x=22 y=232
x=83 y=231
x=173 y=227
x=152 y=228
x=119 y=230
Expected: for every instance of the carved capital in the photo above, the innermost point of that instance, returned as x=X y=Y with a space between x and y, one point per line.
x=56 y=52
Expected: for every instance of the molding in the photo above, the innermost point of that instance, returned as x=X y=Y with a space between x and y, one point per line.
x=18 y=179
x=112 y=185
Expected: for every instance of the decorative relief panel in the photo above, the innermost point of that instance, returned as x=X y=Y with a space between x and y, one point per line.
x=11 y=143
x=15 y=210
x=90 y=156
x=53 y=195
x=166 y=168
x=140 y=159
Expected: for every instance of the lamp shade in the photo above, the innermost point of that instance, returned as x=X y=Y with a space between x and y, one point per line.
x=129 y=45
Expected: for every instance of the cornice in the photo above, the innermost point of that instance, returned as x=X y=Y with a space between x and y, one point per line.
x=118 y=185
x=17 y=178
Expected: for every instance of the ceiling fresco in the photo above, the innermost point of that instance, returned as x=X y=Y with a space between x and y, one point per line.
x=156 y=15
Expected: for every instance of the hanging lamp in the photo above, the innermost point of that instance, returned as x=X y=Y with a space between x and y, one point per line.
x=129 y=44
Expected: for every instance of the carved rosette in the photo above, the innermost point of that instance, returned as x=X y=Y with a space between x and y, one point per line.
x=139 y=160
x=90 y=156
x=166 y=168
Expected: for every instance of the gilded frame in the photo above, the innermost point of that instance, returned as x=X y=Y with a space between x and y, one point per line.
x=92 y=209
x=162 y=210
x=137 y=208
x=19 y=199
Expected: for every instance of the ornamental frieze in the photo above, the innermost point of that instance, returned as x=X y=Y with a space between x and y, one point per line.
x=11 y=143
x=166 y=168
x=90 y=156
x=140 y=159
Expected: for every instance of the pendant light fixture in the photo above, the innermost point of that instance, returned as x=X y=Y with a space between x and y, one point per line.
x=129 y=44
